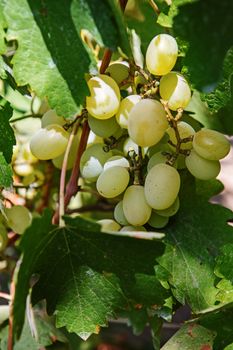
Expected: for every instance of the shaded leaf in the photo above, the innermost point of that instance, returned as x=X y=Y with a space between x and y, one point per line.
x=6 y=172
x=7 y=137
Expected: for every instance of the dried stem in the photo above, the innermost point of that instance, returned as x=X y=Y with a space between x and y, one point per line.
x=10 y=341
x=105 y=61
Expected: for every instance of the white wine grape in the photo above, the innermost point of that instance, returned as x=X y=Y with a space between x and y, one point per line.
x=202 y=168
x=147 y=122
x=157 y=221
x=116 y=161
x=170 y=211
x=112 y=182
x=119 y=71
x=185 y=131
x=51 y=117
x=119 y=215
x=109 y=225
x=18 y=218
x=130 y=228
x=175 y=90
x=161 y=54
x=103 y=127
x=162 y=186
x=126 y=105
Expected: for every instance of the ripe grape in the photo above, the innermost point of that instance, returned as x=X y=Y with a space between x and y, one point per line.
x=175 y=90
x=185 y=130
x=130 y=228
x=170 y=211
x=18 y=218
x=49 y=142
x=119 y=215
x=116 y=161
x=105 y=97
x=202 y=168
x=51 y=117
x=3 y=237
x=112 y=181
x=147 y=122
x=126 y=105
x=157 y=221
x=161 y=54
x=135 y=207
x=103 y=127
x=119 y=71
x=58 y=161
x=211 y=144
x=162 y=185
x=157 y=158
x=109 y=225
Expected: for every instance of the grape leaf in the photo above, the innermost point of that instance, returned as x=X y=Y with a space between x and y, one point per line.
x=81 y=271
x=224 y=262
x=52 y=58
x=193 y=241
x=5 y=172
x=203 y=24
x=191 y=337
x=7 y=137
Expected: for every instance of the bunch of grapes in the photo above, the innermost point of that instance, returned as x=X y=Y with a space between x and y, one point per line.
x=142 y=139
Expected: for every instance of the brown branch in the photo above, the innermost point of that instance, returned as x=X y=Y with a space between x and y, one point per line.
x=154 y=7
x=47 y=187
x=101 y=206
x=105 y=60
x=10 y=341
x=123 y=4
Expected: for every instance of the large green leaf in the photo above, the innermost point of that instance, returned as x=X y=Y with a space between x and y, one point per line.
x=51 y=56
x=5 y=172
x=191 y=337
x=193 y=241
x=81 y=272
x=7 y=137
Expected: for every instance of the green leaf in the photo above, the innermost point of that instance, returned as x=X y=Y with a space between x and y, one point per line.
x=60 y=58
x=191 y=337
x=7 y=137
x=193 y=242
x=199 y=24
x=81 y=271
x=224 y=263
x=5 y=172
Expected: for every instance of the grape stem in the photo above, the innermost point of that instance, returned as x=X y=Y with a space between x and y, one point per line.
x=154 y=7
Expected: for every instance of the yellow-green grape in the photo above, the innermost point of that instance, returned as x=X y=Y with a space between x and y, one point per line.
x=139 y=80
x=162 y=145
x=162 y=186
x=23 y=169
x=92 y=161
x=175 y=90
x=119 y=215
x=180 y=162
x=51 y=117
x=4 y=313
x=105 y=97
x=157 y=158
x=116 y=161
x=185 y=131
x=50 y=142
x=109 y=225
x=3 y=237
x=58 y=161
x=119 y=71
x=126 y=105
x=129 y=146
x=157 y=221
x=201 y=168
x=112 y=182
x=136 y=209
x=170 y=211
x=147 y=122
x=211 y=144
x=103 y=128
x=130 y=228
x=161 y=54
x=18 y=218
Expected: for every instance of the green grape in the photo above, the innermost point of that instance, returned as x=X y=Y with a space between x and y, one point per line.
x=51 y=117
x=180 y=162
x=3 y=237
x=211 y=144
x=103 y=127
x=112 y=182
x=119 y=71
x=170 y=211
x=161 y=146
x=162 y=185
x=126 y=105
x=201 y=168
x=18 y=218
x=92 y=161
x=116 y=161
x=147 y=122
x=130 y=228
x=129 y=145
x=185 y=130
x=157 y=221
x=50 y=142
x=23 y=169
x=57 y=162
x=109 y=225
x=161 y=54
x=135 y=207
x=119 y=215
x=157 y=158
x=4 y=313
x=175 y=90
x=105 y=97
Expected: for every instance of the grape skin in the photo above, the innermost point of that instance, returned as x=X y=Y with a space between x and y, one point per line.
x=103 y=127
x=161 y=54
x=185 y=130
x=175 y=90
x=119 y=215
x=116 y=161
x=147 y=123
x=51 y=117
x=202 y=168
x=119 y=71
x=105 y=97
x=126 y=105
x=19 y=218
x=135 y=207
x=211 y=144
x=157 y=221
x=109 y=225
x=170 y=211
x=162 y=185
x=112 y=182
